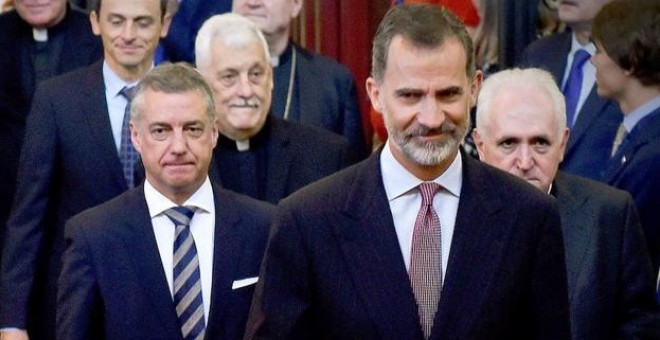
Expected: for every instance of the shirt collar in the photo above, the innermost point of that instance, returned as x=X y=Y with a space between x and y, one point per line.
x=631 y=119
x=398 y=181
x=114 y=84
x=157 y=203
x=575 y=46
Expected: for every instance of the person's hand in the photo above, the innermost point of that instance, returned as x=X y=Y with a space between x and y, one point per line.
x=14 y=334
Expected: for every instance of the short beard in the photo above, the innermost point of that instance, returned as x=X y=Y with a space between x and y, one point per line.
x=428 y=153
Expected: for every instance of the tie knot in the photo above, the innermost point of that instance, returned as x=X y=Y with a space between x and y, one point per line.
x=180 y=215
x=128 y=92
x=581 y=56
x=428 y=190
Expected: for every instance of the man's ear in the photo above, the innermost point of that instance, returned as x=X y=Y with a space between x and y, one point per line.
x=135 y=139
x=563 y=142
x=373 y=90
x=297 y=7
x=475 y=86
x=94 y=20
x=478 y=142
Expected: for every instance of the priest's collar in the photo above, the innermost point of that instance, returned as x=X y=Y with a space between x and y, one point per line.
x=254 y=142
x=283 y=58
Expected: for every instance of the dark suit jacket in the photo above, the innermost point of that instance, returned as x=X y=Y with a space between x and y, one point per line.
x=327 y=97
x=590 y=143
x=297 y=155
x=113 y=285
x=610 y=285
x=17 y=85
x=69 y=163
x=334 y=269
x=179 y=44
x=637 y=171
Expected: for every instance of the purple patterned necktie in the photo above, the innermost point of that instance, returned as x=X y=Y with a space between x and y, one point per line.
x=573 y=85
x=426 y=258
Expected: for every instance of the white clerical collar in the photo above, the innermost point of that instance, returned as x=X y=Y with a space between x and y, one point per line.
x=40 y=34
x=243 y=145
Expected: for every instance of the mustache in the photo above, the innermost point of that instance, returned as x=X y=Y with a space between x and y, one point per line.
x=422 y=130
x=249 y=103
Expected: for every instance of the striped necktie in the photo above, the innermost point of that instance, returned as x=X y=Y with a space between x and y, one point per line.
x=187 y=278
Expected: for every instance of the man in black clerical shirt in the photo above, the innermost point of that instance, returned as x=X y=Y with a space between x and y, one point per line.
x=39 y=42
x=308 y=87
x=258 y=154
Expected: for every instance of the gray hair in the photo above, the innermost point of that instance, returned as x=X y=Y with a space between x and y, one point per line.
x=172 y=78
x=233 y=29
x=423 y=25
x=516 y=78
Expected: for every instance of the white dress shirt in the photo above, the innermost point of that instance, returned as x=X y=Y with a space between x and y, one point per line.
x=405 y=201
x=202 y=227
x=588 y=72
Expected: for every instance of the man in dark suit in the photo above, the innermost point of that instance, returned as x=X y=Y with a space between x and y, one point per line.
x=521 y=128
x=627 y=72
x=349 y=257
x=595 y=119
x=258 y=154
x=179 y=44
x=39 y=42
x=70 y=160
x=121 y=276
x=308 y=87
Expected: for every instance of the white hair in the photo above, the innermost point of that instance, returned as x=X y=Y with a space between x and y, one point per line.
x=520 y=78
x=234 y=30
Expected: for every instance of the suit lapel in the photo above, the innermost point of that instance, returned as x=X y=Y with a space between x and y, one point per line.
x=139 y=238
x=229 y=244
x=280 y=161
x=589 y=113
x=95 y=108
x=368 y=241
x=476 y=250
x=647 y=129
x=576 y=235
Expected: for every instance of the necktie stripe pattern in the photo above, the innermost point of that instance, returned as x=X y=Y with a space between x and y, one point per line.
x=187 y=277
x=426 y=258
x=573 y=86
x=127 y=153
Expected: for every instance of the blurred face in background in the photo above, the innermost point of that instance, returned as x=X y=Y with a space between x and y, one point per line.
x=272 y=16
x=41 y=13
x=579 y=13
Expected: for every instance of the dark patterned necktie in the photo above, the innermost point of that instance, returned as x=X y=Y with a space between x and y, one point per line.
x=127 y=153
x=187 y=278
x=426 y=258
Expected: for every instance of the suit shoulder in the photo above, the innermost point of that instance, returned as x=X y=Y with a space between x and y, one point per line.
x=71 y=81
x=330 y=190
x=101 y=218
x=580 y=186
x=325 y=64
x=245 y=203
x=542 y=49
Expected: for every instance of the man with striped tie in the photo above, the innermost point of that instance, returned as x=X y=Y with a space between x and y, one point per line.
x=174 y=258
